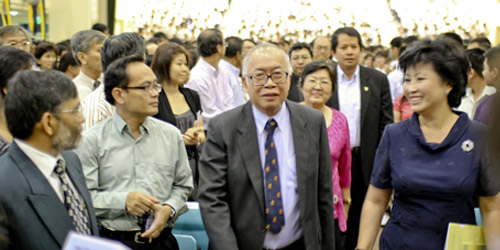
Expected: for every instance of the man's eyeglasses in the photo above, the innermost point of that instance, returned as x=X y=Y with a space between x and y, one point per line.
x=149 y=89
x=77 y=110
x=19 y=45
x=260 y=79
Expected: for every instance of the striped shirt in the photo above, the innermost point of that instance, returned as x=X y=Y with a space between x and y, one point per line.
x=96 y=108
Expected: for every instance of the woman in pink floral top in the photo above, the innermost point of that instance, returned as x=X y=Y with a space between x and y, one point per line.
x=317 y=85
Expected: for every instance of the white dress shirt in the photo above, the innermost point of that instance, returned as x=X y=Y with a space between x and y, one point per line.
x=396 y=79
x=233 y=74
x=46 y=164
x=85 y=84
x=468 y=105
x=285 y=148
x=213 y=87
x=350 y=103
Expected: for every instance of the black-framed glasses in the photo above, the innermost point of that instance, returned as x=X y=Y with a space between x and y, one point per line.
x=149 y=89
x=260 y=79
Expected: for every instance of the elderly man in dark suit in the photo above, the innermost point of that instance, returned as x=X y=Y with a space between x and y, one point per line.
x=43 y=189
x=265 y=174
x=364 y=96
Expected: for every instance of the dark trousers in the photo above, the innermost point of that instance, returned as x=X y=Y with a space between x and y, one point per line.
x=165 y=241
x=339 y=237
x=358 y=192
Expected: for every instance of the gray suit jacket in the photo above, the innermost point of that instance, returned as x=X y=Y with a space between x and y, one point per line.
x=231 y=186
x=36 y=218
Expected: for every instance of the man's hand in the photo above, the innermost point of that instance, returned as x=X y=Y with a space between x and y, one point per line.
x=139 y=203
x=161 y=215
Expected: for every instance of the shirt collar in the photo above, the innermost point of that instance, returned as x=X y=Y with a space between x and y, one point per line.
x=342 y=77
x=229 y=66
x=122 y=126
x=207 y=66
x=44 y=162
x=282 y=118
x=89 y=81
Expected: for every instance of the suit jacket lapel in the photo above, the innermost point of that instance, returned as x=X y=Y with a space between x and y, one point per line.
x=301 y=144
x=43 y=198
x=366 y=87
x=248 y=145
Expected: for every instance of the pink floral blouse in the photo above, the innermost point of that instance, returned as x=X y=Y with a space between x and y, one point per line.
x=340 y=152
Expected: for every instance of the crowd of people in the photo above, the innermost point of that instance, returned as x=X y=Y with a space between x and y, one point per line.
x=331 y=144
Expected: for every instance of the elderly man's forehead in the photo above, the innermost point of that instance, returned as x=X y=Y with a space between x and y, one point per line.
x=14 y=36
x=267 y=54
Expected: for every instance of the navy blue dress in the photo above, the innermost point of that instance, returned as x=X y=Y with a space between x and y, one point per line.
x=434 y=184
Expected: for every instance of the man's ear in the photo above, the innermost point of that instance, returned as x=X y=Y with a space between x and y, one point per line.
x=117 y=94
x=82 y=57
x=48 y=124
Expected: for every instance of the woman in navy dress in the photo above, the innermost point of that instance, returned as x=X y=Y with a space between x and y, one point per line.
x=433 y=161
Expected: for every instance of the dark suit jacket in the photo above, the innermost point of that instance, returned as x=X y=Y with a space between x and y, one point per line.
x=37 y=219
x=376 y=112
x=231 y=186
x=295 y=93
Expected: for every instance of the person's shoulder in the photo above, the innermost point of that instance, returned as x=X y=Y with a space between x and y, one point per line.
x=232 y=115
x=308 y=113
x=162 y=127
x=371 y=72
x=339 y=115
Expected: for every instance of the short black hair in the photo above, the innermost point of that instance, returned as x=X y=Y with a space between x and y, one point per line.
x=160 y=35
x=484 y=43
x=476 y=59
x=208 y=40
x=492 y=57
x=116 y=76
x=45 y=47
x=100 y=27
x=32 y=93
x=121 y=45
x=318 y=65
x=299 y=46
x=453 y=36
x=12 y=60
x=396 y=42
x=448 y=60
x=234 y=45
x=350 y=31
x=66 y=60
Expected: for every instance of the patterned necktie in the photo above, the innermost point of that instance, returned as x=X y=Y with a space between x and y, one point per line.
x=275 y=219
x=96 y=84
x=73 y=204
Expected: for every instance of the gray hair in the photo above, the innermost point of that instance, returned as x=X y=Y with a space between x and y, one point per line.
x=83 y=40
x=264 y=48
x=12 y=29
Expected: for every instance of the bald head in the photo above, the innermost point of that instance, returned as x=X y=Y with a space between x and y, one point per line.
x=265 y=49
x=321 y=48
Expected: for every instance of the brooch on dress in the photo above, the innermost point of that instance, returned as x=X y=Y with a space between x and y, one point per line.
x=467 y=146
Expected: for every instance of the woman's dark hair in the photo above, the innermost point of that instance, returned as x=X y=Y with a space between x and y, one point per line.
x=318 y=65
x=45 y=47
x=163 y=58
x=448 y=60
x=66 y=60
x=12 y=60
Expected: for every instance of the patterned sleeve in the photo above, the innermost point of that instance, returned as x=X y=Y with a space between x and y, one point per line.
x=381 y=175
x=345 y=157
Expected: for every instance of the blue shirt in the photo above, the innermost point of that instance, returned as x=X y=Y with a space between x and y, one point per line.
x=283 y=139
